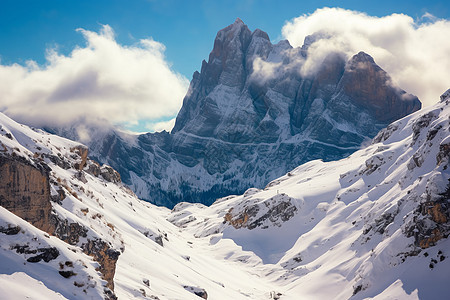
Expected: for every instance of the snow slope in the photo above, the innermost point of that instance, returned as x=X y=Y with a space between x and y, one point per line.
x=371 y=226
x=156 y=258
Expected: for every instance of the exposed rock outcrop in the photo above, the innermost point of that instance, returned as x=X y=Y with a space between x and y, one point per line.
x=275 y=211
x=10 y=230
x=197 y=291
x=25 y=191
x=431 y=220
x=82 y=152
x=105 y=256
x=70 y=232
x=109 y=174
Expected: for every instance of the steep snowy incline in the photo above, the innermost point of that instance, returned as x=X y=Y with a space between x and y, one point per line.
x=372 y=225
x=89 y=237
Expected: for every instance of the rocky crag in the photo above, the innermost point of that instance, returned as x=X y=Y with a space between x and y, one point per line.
x=253 y=113
x=30 y=189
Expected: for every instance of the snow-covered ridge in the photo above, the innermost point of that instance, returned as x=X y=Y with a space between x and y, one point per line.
x=101 y=229
x=371 y=226
x=251 y=114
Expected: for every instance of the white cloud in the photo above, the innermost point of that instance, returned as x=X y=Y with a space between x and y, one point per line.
x=163 y=125
x=414 y=53
x=101 y=82
x=264 y=70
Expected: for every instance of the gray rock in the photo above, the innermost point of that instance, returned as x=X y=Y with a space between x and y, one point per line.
x=242 y=126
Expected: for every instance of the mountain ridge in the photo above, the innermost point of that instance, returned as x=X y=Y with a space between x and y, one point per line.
x=250 y=115
x=372 y=225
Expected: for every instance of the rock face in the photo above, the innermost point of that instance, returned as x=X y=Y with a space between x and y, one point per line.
x=25 y=191
x=106 y=257
x=251 y=115
x=278 y=210
x=26 y=181
x=83 y=154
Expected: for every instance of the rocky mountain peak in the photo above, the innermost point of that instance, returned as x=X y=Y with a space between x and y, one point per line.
x=364 y=63
x=312 y=38
x=362 y=57
x=250 y=116
x=371 y=88
x=238 y=22
x=232 y=38
x=284 y=44
x=445 y=96
x=261 y=34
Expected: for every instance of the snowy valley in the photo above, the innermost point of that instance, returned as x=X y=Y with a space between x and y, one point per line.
x=371 y=226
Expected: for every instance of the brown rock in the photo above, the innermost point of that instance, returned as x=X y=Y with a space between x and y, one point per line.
x=443 y=154
x=109 y=174
x=437 y=214
x=82 y=151
x=237 y=221
x=436 y=228
x=369 y=87
x=25 y=191
x=105 y=256
x=431 y=240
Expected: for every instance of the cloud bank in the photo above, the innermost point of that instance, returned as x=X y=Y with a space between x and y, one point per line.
x=162 y=125
x=101 y=83
x=414 y=52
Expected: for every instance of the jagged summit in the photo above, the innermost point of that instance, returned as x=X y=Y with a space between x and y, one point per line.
x=232 y=31
x=234 y=40
x=238 y=21
x=312 y=38
x=261 y=34
x=445 y=96
x=362 y=57
x=385 y=101
x=250 y=116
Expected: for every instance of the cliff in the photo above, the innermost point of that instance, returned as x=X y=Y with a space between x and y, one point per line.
x=252 y=114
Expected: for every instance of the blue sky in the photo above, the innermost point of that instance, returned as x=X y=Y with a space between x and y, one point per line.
x=186 y=28
x=131 y=63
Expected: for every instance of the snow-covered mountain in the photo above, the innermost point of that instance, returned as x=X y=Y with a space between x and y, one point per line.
x=89 y=237
x=252 y=114
x=370 y=226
